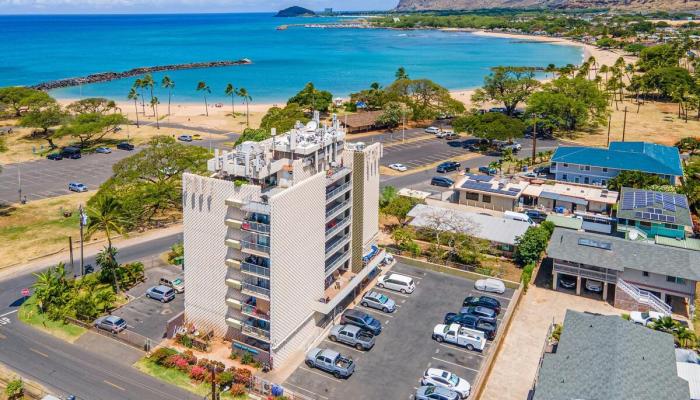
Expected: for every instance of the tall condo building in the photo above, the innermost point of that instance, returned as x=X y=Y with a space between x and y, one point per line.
x=279 y=238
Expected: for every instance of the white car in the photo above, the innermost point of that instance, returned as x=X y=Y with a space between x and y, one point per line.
x=490 y=285
x=397 y=282
x=444 y=134
x=448 y=380
x=432 y=129
x=594 y=286
x=398 y=167
x=645 y=318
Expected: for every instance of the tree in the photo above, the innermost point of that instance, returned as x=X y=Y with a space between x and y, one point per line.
x=91 y=127
x=401 y=74
x=569 y=104
x=399 y=208
x=393 y=113
x=531 y=244
x=425 y=98
x=387 y=194
x=491 y=126
x=204 y=88
x=139 y=84
x=92 y=105
x=106 y=215
x=311 y=99
x=149 y=83
x=668 y=81
x=634 y=179
x=663 y=55
x=252 y=135
x=283 y=119
x=107 y=260
x=134 y=95
x=154 y=105
x=243 y=94
x=44 y=118
x=231 y=91
x=19 y=99
x=169 y=84
x=507 y=85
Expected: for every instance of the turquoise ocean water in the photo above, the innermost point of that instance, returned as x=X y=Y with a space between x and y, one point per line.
x=39 y=48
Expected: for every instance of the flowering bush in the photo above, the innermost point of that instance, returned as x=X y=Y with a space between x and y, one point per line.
x=242 y=376
x=203 y=362
x=225 y=378
x=170 y=360
x=237 y=390
x=220 y=367
x=159 y=356
x=189 y=357
x=198 y=373
x=181 y=364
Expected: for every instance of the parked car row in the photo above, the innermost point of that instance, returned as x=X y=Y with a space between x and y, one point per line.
x=570 y=282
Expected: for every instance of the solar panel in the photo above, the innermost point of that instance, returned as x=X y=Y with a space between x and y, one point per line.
x=669 y=207
x=646 y=215
x=638 y=214
x=655 y=217
x=670 y=219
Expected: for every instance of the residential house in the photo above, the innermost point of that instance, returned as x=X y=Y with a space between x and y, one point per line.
x=606 y=357
x=362 y=121
x=489 y=192
x=649 y=213
x=569 y=198
x=280 y=237
x=597 y=166
x=640 y=275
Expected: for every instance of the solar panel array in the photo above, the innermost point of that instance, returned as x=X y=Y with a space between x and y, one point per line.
x=653 y=206
x=479 y=178
x=486 y=187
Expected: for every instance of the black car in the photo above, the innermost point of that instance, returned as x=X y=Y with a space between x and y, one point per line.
x=486 y=314
x=71 y=152
x=362 y=320
x=542 y=170
x=567 y=282
x=448 y=166
x=441 y=181
x=536 y=215
x=483 y=301
x=55 y=156
x=125 y=146
x=471 y=322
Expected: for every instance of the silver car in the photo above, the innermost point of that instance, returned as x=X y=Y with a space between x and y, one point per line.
x=435 y=393
x=111 y=323
x=162 y=293
x=353 y=336
x=379 y=301
x=490 y=285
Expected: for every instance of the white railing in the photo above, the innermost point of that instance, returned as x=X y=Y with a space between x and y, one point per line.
x=644 y=297
x=338 y=190
x=342 y=224
x=627 y=228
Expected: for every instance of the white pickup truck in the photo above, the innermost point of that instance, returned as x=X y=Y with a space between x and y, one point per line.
x=461 y=336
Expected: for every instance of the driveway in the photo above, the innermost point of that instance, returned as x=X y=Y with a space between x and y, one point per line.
x=404 y=349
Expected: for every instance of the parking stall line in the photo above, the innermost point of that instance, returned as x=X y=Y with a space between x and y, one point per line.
x=412 y=276
x=348 y=347
x=497 y=296
x=305 y=390
x=391 y=292
x=320 y=374
x=456 y=365
x=372 y=310
x=452 y=348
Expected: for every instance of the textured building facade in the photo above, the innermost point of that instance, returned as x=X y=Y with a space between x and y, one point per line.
x=278 y=238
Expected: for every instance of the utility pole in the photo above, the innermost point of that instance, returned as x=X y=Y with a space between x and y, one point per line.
x=624 y=125
x=534 y=140
x=609 y=121
x=213 y=383
x=70 y=250
x=403 y=129
x=19 y=182
x=83 y=222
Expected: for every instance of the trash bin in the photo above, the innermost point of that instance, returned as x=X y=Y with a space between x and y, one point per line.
x=277 y=391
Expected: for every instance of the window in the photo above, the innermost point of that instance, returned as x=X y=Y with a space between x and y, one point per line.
x=581 y=168
x=604 y=182
x=605 y=170
x=675 y=279
x=564 y=177
x=645 y=273
x=485 y=198
x=553 y=165
x=645 y=224
x=471 y=196
x=576 y=179
x=566 y=165
x=671 y=226
x=588 y=167
x=585 y=180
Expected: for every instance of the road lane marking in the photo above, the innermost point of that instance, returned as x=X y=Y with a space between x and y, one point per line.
x=38 y=352
x=456 y=365
x=471 y=353
x=306 y=390
x=8 y=313
x=320 y=374
x=114 y=385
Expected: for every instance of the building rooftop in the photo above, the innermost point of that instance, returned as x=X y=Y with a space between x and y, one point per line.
x=493 y=229
x=361 y=119
x=632 y=156
x=606 y=357
x=654 y=207
x=619 y=254
x=572 y=193
x=489 y=184
x=565 y=222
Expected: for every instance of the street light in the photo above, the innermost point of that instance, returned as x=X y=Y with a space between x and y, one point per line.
x=83 y=223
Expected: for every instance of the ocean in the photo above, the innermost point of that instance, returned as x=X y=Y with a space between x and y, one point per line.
x=34 y=49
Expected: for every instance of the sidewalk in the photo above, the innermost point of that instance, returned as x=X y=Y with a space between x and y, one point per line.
x=90 y=250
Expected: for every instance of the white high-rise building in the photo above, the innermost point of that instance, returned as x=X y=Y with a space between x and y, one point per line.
x=280 y=237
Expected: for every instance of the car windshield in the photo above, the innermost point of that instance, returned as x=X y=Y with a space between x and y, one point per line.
x=368 y=320
x=119 y=322
x=453 y=379
x=383 y=299
x=177 y=281
x=430 y=390
x=645 y=315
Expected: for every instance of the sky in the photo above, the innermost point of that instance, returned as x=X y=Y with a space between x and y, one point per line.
x=179 y=6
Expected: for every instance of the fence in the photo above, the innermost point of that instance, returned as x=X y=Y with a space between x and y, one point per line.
x=126 y=336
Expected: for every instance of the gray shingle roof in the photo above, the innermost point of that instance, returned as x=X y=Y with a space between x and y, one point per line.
x=603 y=357
x=637 y=255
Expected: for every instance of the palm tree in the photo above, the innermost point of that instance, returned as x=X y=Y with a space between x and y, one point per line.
x=107 y=216
x=148 y=83
x=154 y=104
x=138 y=84
x=684 y=335
x=243 y=93
x=231 y=91
x=204 y=88
x=44 y=287
x=134 y=95
x=664 y=324
x=169 y=84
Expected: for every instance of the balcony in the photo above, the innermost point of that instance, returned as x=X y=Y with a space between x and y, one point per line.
x=253 y=269
x=255 y=291
x=231 y=263
x=233 y=303
x=231 y=202
x=335 y=192
x=256 y=207
x=336 y=244
x=336 y=209
x=230 y=282
x=255 y=248
x=234 y=323
x=257 y=333
x=253 y=311
x=233 y=243
x=339 y=226
x=233 y=223
x=336 y=261
x=335 y=173
x=256 y=227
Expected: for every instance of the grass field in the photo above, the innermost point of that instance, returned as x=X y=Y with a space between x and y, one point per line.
x=30 y=315
x=39 y=228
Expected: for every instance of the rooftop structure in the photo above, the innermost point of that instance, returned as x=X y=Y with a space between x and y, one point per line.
x=606 y=357
x=655 y=213
x=570 y=197
x=489 y=192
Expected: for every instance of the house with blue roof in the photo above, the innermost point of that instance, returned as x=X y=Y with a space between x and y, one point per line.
x=597 y=166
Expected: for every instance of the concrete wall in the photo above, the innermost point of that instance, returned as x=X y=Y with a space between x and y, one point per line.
x=297 y=238
x=204 y=213
x=365 y=205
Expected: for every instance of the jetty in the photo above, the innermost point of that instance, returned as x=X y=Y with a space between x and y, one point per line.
x=111 y=76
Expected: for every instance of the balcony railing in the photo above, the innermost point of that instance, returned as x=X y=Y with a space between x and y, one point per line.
x=254 y=269
x=338 y=190
x=256 y=227
x=337 y=244
x=610 y=277
x=336 y=173
x=245 y=244
x=257 y=333
x=255 y=290
x=644 y=297
x=256 y=207
x=338 y=207
x=254 y=312
x=334 y=262
x=342 y=224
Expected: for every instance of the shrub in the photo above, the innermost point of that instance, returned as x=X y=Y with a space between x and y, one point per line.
x=556 y=332
x=170 y=360
x=220 y=367
x=181 y=364
x=190 y=357
x=526 y=275
x=161 y=354
x=14 y=389
x=531 y=244
x=186 y=341
x=198 y=373
x=225 y=378
x=625 y=316
x=242 y=376
x=237 y=390
x=233 y=355
x=203 y=362
x=247 y=359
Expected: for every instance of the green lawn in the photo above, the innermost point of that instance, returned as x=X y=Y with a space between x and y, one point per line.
x=177 y=378
x=30 y=315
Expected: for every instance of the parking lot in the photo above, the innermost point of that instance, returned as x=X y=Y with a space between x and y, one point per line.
x=405 y=348
x=148 y=317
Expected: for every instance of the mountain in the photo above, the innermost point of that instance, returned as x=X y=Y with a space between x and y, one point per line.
x=295 y=11
x=641 y=5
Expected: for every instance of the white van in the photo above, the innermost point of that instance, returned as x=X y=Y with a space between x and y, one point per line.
x=518 y=217
x=400 y=283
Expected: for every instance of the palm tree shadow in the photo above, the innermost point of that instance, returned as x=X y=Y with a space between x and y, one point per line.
x=18 y=302
x=6 y=209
